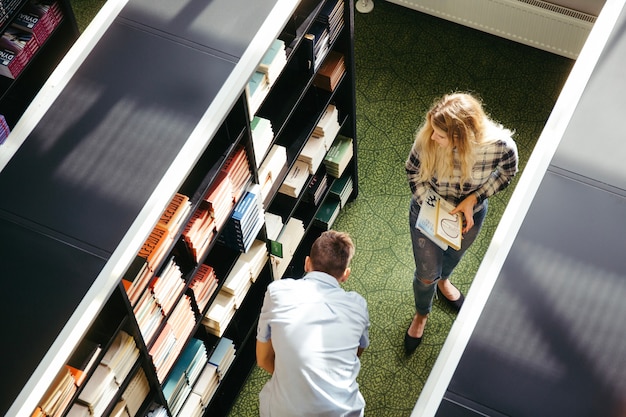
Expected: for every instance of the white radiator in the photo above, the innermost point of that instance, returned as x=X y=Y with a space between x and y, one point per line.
x=536 y=23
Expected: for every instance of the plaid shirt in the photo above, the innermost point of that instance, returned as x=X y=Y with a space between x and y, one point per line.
x=496 y=165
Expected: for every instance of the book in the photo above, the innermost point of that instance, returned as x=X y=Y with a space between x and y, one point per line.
x=338 y=156
x=295 y=180
x=448 y=226
x=436 y=222
x=330 y=72
x=83 y=359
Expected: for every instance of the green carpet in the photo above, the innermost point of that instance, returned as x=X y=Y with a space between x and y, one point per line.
x=404 y=60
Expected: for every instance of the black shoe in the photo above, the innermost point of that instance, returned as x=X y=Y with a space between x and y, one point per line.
x=411 y=343
x=454 y=305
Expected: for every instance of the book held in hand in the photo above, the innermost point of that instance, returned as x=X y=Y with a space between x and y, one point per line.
x=436 y=222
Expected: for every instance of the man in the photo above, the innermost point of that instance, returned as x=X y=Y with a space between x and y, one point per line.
x=310 y=336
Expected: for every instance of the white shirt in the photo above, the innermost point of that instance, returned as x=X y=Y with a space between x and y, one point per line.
x=315 y=328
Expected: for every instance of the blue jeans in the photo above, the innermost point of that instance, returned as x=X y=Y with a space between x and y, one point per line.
x=433 y=263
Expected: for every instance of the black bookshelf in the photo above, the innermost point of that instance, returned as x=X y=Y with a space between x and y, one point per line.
x=133 y=127
x=17 y=93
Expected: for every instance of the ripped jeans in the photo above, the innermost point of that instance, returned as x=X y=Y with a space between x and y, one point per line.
x=433 y=263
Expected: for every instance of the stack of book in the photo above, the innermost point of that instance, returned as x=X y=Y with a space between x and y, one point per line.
x=273 y=225
x=192 y=406
x=262 y=137
x=331 y=15
x=134 y=395
x=156 y=246
x=245 y=271
x=245 y=222
x=256 y=258
x=223 y=356
x=29 y=29
x=330 y=72
x=327 y=213
x=178 y=386
x=237 y=168
x=266 y=74
x=316 y=44
x=16 y=49
x=219 y=314
x=148 y=314
x=175 y=215
x=207 y=384
x=39 y=17
x=58 y=396
x=170 y=341
x=316 y=189
x=342 y=188
x=4 y=129
x=283 y=248
x=203 y=285
x=7 y=9
x=338 y=156
x=83 y=360
x=168 y=286
x=271 y=169
x=274 y=61
x=313 y=153
x=110 y=374
x=220 y=199
x=199 y=231
x=295 y=180
x=328 y=126
x=256 y=90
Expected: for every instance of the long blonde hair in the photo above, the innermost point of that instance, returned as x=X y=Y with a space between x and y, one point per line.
x=462 y=118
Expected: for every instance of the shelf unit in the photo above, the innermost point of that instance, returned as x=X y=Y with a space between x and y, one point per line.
x=16 y=94
x=129 y=128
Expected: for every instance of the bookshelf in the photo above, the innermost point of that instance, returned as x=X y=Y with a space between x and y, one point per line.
x=106 y=150
x=48 y=42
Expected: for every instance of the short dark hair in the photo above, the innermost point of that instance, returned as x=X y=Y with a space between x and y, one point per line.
x=332 y=252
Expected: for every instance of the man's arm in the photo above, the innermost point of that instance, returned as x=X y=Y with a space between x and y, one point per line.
x=265 y=355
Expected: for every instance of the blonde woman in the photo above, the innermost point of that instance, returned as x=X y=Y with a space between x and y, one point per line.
x=465 y=157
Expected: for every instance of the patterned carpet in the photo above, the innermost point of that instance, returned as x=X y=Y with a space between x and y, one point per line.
x=404 y=60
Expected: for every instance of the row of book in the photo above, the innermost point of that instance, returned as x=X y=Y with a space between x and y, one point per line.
x=284 y=245
x=156 y=247
x=172 y=338
x=218 y=203
x=196 y=396
x=331 y=16
x=245 y=221
x=323 y=33
x=271 y=170
x=313 y=153
x=107 y=377
x=242 y=275
x=4 y=129
x=28 y=30
x=266 y=74
x=184 y=375
x=203 y=285
x=7 y=9
x=262 y=137
x=337 y=198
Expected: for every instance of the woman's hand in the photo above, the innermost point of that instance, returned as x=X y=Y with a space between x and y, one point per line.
x=467 y=208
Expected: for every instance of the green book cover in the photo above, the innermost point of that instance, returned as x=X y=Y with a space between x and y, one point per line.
x=340 y=147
